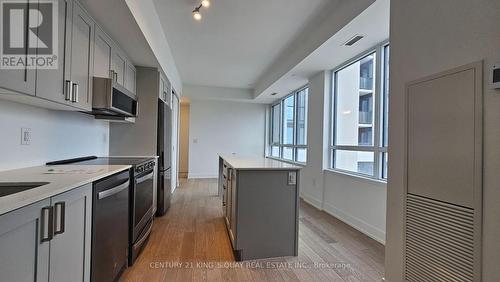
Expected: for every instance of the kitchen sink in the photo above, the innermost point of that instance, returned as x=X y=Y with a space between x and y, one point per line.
x=16 y=187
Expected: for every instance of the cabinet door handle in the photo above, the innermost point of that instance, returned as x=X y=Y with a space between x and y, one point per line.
x=115 y=76
x=60 y=212
x=69 y=90
x=46 y=233
x=75 y=93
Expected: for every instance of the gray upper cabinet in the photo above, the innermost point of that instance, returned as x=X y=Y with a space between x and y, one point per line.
x=119 y=66
x=51 y=238
x=50 y=83
x=80 y=67
x=84 y=50
x=103 y=52
x=130 y=77
x=165 y=93
x=161 y=93
x=20 y=80
x=23 y=255
x=110 y=62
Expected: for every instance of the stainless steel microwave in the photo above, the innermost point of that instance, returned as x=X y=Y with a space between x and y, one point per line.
x=111 y=99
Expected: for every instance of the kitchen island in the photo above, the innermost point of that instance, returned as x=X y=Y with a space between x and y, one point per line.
x=260 y=199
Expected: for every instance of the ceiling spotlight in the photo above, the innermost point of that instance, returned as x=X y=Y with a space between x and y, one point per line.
x=205 y=3
x=196 y=14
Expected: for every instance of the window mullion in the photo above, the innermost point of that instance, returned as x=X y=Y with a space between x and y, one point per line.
x=295 y=125
x=282 y=113
x=377 y=169
x=333 y=111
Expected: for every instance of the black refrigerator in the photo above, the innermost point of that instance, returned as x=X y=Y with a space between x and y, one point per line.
x=165 y=160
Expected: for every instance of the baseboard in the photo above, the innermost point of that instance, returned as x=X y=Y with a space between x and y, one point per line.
x=311 y=200
x=358 y=224
x=201 y=175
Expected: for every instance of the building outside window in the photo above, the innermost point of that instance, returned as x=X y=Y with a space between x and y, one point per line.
x=288 y=130
x=359 y=114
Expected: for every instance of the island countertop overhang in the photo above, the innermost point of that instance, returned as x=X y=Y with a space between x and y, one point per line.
x=242 y=162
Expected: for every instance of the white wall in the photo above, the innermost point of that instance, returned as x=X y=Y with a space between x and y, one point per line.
x=429 y=37
x=223 y=127
x=55 y=135
x=217 y=93
x=359 y=202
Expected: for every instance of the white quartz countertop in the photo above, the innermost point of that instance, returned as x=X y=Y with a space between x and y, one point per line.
x=257 y=163
x=61 y=178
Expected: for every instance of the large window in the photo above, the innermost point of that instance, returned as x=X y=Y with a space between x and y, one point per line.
x=288 y=132
x=359 y=115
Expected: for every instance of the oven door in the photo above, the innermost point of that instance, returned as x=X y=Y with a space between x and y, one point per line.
x=143 y=202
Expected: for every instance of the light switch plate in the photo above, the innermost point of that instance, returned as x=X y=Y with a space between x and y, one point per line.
x=25 y=136
x=292 y=178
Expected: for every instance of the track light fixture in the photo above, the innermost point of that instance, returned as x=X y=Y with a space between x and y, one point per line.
x=196 y=12
x=205 y=3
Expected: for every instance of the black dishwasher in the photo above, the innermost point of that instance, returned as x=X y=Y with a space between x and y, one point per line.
x=110 y=226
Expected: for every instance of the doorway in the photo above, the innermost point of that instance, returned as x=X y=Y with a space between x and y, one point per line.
x=184 y=138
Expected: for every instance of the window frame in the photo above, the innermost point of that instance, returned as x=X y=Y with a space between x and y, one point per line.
x=378 y=147
x=281 y=145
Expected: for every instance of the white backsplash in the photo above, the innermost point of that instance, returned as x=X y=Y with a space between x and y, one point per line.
x=54 y=135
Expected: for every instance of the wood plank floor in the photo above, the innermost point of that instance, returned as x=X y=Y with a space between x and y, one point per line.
x=190 y=243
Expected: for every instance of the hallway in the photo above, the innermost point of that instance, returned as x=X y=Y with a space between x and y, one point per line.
x=190 y=243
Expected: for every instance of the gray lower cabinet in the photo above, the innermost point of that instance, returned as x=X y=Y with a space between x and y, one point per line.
x=234 y=205
x=261 y=208
x=23 y=257
x=49 y=240
x=70 y=247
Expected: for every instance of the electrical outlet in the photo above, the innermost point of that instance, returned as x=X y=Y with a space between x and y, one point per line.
x=25 y=136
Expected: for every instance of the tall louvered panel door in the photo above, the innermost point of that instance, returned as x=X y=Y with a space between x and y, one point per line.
x=444 y=176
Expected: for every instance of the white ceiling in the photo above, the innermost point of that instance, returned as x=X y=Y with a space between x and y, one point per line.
x=237 y=40
x=372 y=23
